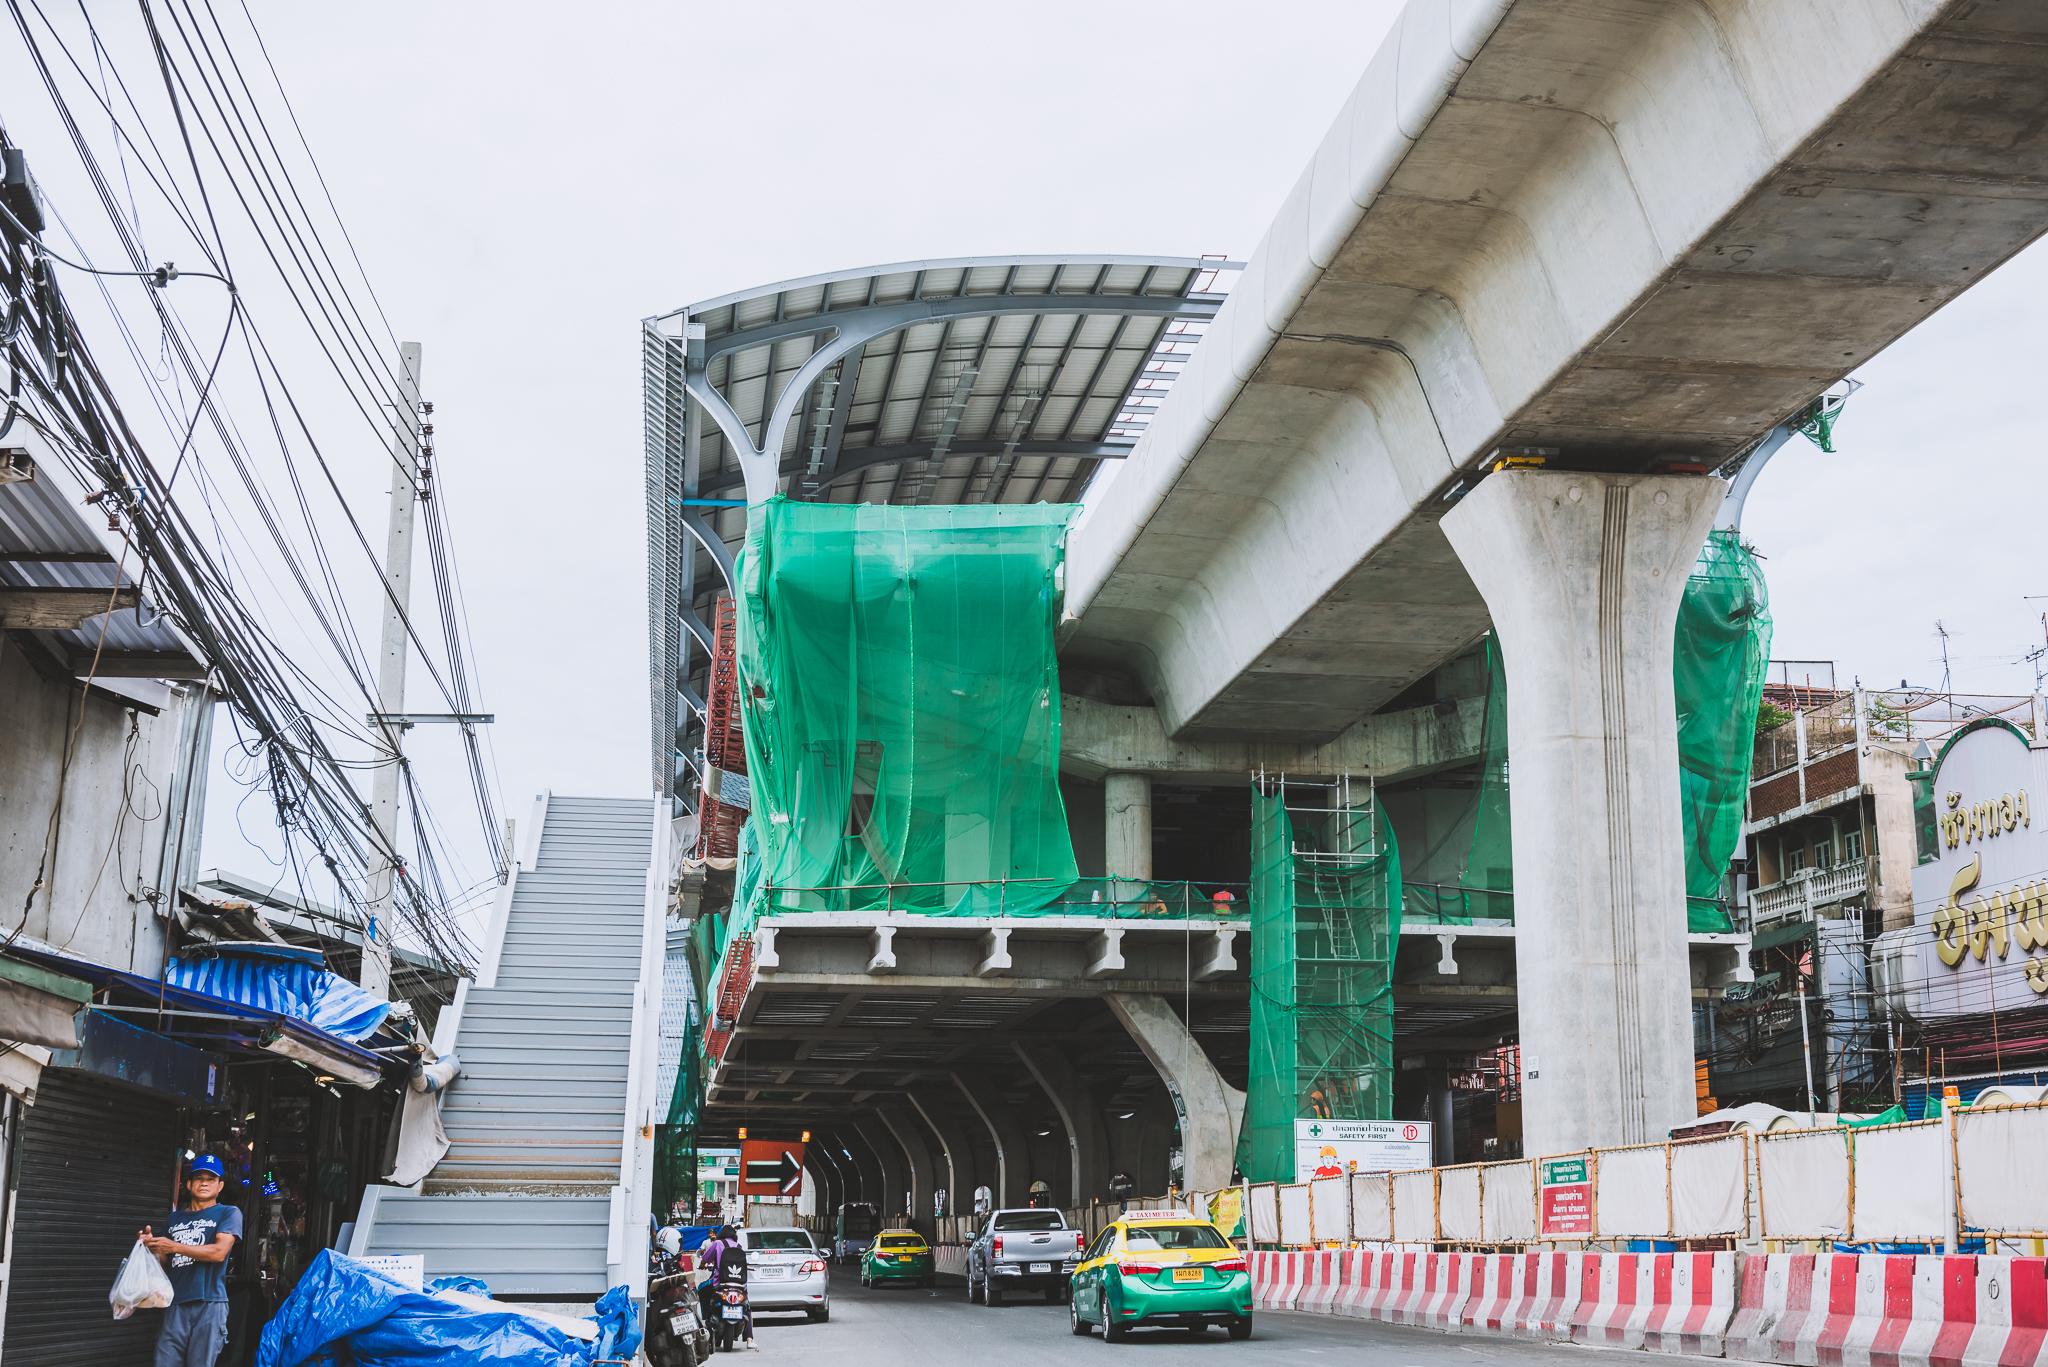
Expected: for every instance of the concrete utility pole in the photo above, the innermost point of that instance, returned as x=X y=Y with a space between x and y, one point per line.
x=387 y=795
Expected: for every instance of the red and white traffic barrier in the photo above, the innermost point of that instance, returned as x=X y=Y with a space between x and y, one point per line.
x=1404 y=1300
x=1692 y=1298
x=1450 y=1283
x=1319 y=1282
x=1381 y=1281
x=2011 y=1303
x=1496 y=1285
x=1276 y=1280
x=1776 y=1292
x=1615 y=1304
x=1549 y=1315
x=1355 y=1283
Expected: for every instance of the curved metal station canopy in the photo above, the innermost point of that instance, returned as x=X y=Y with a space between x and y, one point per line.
x=975 y=380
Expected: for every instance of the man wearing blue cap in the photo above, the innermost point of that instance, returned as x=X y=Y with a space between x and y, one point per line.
x=194 y=1250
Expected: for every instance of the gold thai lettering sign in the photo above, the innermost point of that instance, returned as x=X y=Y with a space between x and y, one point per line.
x=1981 y=903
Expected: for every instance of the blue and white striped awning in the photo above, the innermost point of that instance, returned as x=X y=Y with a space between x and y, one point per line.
x=301 y=991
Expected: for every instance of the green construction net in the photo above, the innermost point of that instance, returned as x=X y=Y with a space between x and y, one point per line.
x=1721 y=650
x=675 y=1146
x=1326 y=917
x=901 y=704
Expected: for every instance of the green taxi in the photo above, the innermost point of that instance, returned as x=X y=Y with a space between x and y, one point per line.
x=1161 y=1270
x=897 y=1255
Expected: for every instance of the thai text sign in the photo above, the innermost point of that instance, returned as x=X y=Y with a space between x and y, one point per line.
x=1566 y=1207
x=1334 y=1148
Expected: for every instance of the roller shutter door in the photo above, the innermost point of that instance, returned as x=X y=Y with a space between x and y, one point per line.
x=96 y=1162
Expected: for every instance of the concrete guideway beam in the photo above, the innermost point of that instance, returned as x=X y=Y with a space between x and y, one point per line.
x=893 y=1161
x=1080 y=1115
x=919 y=1159
x=947 y=1115
x=1012 y=1178
x=1625 y=231
x=1583 y=574
x=1106 y=741
x=1208 y=1109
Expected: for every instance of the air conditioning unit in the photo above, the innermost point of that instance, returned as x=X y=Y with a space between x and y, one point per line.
x=15 y=466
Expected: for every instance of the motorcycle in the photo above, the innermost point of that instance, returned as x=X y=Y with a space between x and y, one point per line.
x=676 y=1333
x=729 y=1311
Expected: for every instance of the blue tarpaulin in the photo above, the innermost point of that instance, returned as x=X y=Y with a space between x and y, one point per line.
x=343 y=1314
x=301 y=991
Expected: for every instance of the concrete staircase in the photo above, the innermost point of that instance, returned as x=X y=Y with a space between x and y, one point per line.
x=539 y=1167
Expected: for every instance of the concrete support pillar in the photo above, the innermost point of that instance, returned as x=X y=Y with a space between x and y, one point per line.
x=947 y=1115
x=1156 y=1124
x=1012 y=1177
x=1582 y=574
x=1127 y=829
x=909 y=1134
x=895 y=1166
x=860 y=1177
x=1080 y=1116
x=1208 y=1109
x=821 y=1174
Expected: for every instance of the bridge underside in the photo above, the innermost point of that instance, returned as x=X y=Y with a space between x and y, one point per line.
x=1634 y=233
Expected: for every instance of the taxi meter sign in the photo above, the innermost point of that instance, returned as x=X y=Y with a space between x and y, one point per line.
x=1332 y=1148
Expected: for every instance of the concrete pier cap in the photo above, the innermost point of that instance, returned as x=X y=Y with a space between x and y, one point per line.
x=1582 y=574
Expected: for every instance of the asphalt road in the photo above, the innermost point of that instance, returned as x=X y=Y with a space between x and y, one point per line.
x=908 y=1328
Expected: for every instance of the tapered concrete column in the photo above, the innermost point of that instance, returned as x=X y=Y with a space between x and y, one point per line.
x=947 y=1115
x=1208 y=1108
x=1127 y=830
x=1582 y=574
x=1087 y=1146
x=917 y=1152
x=1011 y=1180
x=893 y=1162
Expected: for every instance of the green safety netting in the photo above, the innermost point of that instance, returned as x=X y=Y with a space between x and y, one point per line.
x=1325 y=920
x=901 y=704
x=675 y=1146
x=1721 y=650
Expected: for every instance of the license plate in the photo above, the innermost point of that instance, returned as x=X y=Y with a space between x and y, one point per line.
x=1187 y=1274
x=732 y=1312
x=774 y=1274
x=1041 y=1267
x=679 y=1324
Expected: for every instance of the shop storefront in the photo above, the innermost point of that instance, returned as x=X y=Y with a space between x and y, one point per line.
x=1970 y=978
x=300 y=1117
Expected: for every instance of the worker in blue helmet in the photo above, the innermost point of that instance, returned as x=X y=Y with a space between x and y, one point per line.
x=194 y=1250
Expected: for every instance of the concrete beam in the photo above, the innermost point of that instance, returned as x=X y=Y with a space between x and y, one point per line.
x=1101 y=740
x=918 y=1153
x=1127 y=826
x=995 y=957
x=1208 y=1109
x=1583 y=574
x=893 y=1159
x=1108 y=957
x=948 y=1115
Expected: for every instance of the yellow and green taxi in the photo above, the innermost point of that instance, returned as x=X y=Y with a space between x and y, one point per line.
x=897 y=1255
x=1164 y=1270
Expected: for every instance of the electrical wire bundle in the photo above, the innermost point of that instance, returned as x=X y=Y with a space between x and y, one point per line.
x=197 y=561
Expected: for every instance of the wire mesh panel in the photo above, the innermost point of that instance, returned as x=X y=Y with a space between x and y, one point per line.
x=1326 y=916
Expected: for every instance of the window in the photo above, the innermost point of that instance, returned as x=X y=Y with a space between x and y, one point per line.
x=1852 y=847
x=1795 y=859
x=1149 y=1237
x=1032 y=1220
x=1101 y=1242
x=911 y=1241
x=1824 y=854
x=779 y=1239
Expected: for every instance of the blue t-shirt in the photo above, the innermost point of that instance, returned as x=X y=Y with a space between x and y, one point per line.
x=193 y=1281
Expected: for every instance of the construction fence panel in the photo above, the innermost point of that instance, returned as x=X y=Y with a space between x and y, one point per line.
x=1999 y=1186
x=1710 y=1187
x=1415 y=1206
x=1899 y=1193
x=1265 y=1220
x=1372 y=1218
x=1629 y=1199
x=1508 y=1201
x=1458 y=1205
x=1329 y=1210
x=1294 y=1229
x=1803 y=1184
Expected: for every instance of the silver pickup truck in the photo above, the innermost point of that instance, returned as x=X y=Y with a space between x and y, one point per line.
x=1022 y=1250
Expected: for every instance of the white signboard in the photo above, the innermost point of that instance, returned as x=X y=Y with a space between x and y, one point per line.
x=1980 y=906
x=410 y=1268
x=1332 y=1148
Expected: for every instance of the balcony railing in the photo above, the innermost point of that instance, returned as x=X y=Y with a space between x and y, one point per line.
x=1808 y=888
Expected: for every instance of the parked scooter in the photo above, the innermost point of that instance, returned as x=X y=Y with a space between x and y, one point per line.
x=677 y=1335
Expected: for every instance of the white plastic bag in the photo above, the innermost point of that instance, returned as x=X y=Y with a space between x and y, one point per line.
x=142 y=1285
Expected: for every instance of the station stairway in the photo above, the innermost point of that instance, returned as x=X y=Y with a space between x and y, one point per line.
x=540 y=1167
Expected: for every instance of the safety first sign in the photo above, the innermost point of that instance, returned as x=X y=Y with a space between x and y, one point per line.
x=1566 y=1206
x=1333 y=1148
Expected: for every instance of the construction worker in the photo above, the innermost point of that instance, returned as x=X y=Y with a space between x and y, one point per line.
x=194 y=1250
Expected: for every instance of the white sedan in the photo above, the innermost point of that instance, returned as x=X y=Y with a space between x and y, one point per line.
x=785 y=1271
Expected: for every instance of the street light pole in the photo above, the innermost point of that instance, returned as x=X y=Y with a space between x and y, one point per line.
x=387 y=795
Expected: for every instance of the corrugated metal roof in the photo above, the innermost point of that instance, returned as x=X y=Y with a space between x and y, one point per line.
x=981 y=380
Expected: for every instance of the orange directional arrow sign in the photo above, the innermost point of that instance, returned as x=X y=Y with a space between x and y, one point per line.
x=770 y=1167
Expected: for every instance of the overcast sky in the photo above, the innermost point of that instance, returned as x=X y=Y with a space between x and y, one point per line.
x=525 y=182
